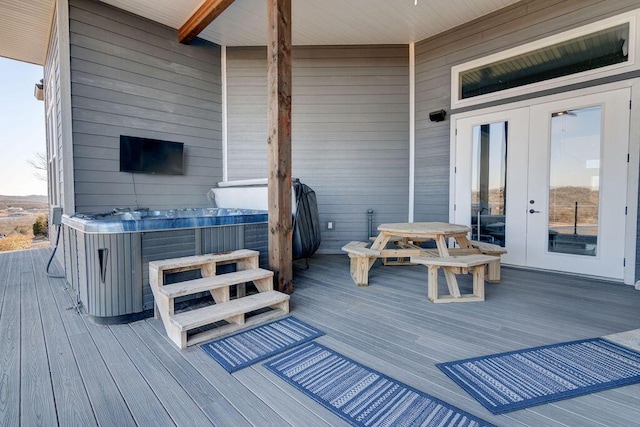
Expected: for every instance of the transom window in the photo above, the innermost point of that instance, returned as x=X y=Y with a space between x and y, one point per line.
x=595 y=50
x=592 y=51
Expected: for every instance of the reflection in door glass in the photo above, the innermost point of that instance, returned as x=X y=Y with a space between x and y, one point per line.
x=489 y=179
x=574 y=181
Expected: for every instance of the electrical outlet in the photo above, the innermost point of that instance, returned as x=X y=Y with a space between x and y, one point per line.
x=56 y=215
x=330 y=225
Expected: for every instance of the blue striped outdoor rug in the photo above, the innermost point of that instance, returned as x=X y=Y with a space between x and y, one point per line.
x=519 y=379
x=362 y=396
x=253 y=345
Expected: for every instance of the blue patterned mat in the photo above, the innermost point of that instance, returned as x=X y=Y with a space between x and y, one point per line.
x=362 y=396
x=253 y=345
x=519 y=379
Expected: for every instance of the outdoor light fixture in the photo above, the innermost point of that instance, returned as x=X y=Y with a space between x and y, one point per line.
x=38 y=91
x=437 y=116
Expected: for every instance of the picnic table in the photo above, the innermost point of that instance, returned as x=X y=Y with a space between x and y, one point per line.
x=468 y=255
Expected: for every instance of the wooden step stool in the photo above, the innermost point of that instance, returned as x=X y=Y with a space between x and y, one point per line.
x=233 y=311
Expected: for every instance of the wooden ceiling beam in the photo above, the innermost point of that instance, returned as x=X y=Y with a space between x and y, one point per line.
x=206 y=13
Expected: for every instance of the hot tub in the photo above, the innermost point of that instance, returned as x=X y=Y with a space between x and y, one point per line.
x=107 y=254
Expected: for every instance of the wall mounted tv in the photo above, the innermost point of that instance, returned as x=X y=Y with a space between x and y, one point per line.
x=144 y=155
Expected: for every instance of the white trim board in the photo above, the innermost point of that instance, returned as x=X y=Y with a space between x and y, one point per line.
x=66 y=125
x=412 y=130
x=633 y=172
x=225 y=141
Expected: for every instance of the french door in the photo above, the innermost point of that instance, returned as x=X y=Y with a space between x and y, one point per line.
x=548 y=182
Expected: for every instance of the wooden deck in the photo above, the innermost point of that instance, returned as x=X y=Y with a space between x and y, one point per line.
x=57 y=367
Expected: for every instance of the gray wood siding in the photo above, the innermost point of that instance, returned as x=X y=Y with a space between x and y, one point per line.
x=130 y=76
x=521 y=23
x=350 y=130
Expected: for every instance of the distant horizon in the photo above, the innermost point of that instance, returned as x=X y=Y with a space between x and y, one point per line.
x=22 y=129
x=24 y=195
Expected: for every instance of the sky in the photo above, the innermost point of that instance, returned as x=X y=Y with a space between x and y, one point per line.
x=22 y=128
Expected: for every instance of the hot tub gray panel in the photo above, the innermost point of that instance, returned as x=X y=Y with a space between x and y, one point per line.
x=256 y=237
x=163 y=245
x=110 y=271
x=220 y=239
x=113 y=269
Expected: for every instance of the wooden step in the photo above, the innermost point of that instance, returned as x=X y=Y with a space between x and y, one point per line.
x=190 y=287
x=214 y=313
x=193 y=262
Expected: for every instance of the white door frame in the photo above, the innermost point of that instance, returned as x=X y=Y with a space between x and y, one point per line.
x=633 y=167
x=517 y=160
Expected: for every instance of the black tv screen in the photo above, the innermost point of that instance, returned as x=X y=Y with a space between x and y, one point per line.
x=145 y=155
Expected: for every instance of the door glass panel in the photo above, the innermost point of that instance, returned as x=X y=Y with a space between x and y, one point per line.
x=489 y=179
x=574 y=181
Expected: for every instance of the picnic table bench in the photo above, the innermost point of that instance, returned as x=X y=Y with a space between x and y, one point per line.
x=470 y=255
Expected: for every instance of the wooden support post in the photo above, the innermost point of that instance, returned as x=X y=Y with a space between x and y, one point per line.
x=279 y=143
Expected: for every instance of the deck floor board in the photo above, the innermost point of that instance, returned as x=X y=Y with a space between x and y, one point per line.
x=245 y=402
x=109 y=406
x=293 y=406
x=140 y=398
x=71 y=399
x=81 y=373
x=176 y=401
x=37 y=406
x=4 y=276
x=219 y=410
x=10 y=383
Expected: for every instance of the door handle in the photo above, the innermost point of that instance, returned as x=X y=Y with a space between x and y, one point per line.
x=533 y=211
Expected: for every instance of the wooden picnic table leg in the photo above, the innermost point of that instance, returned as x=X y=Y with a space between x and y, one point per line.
x=379 y=244
x=478 y=281
x=432 y=283
x=493 y=268
x=452 y=282
x=441 y=244
x=359 y=267
x=463 y=242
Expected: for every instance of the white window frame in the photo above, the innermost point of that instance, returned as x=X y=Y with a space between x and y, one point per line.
x=631 y=64
x=52 y=130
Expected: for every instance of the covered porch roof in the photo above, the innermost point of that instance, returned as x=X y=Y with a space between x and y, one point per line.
x=25 y=26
